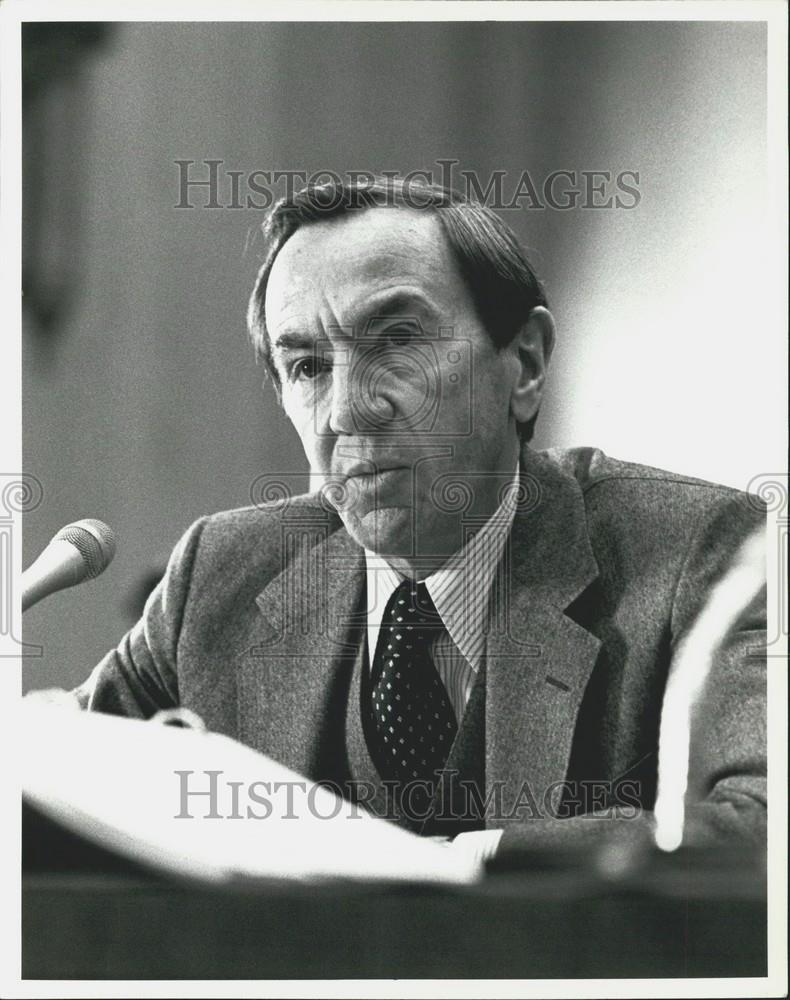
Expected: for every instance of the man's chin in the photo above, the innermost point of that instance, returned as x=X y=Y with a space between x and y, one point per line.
x=387 y=531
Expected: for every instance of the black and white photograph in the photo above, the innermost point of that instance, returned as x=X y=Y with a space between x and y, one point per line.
x=394 y=512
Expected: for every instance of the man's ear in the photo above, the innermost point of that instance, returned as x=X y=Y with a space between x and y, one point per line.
x=533 y=345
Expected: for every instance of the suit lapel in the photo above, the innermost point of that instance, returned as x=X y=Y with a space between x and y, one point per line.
x=295 y=675
x=539 y=660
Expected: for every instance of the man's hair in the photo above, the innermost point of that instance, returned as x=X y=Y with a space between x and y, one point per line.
x=494 y=267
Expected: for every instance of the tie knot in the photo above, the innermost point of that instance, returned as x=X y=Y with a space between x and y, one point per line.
x=411 y=605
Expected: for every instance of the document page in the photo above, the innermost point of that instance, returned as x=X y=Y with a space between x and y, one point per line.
x=201 y=805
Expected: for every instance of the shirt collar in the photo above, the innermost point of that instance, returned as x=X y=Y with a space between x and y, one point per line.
x=459 y=590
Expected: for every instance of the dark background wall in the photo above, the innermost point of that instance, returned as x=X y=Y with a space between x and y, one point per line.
x=142 y=404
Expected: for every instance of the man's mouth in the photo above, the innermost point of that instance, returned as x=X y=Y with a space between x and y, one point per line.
x=369 y=471
x=369 y=483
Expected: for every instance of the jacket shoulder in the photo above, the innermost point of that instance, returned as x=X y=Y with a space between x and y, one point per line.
x=306 y=507
x=606 y=481
x=653 y=511
x=250 y=539
x=592 y=468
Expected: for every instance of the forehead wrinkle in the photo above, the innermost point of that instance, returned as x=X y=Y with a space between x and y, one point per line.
x=336 y=268
x=294 y=320
x=411 y=268
x=300 y=330
x=391 y=302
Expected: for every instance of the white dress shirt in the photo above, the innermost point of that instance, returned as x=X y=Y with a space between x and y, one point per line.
x=460 y=592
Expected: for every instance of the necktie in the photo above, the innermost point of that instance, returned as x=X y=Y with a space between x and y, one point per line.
x=411 y=723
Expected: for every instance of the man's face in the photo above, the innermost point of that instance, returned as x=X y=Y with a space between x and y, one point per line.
x=391 y=381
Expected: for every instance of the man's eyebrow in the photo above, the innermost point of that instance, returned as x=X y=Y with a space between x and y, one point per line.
x=293 y=341
x=390 y=305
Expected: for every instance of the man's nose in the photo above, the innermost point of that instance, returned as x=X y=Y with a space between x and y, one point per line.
x=360 y=400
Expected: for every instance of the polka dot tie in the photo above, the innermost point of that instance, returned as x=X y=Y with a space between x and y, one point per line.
x=412 y=722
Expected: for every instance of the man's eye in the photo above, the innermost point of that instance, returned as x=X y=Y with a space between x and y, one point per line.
x=307 y=368
x=401 y=333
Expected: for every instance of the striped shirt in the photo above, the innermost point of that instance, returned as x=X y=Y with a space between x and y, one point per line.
x=459 y=591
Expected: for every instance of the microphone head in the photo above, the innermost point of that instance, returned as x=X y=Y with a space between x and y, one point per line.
x=95 y=542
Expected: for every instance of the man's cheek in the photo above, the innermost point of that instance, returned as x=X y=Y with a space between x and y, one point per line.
x=303 y=421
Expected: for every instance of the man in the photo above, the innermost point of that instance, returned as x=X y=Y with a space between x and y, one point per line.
x=472 y=638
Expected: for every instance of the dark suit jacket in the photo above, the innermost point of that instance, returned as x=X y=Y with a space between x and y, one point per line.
x=607 y=566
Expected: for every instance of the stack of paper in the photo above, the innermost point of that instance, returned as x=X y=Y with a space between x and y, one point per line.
x=201 y=805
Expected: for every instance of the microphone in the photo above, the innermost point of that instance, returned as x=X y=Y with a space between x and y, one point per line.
x=80 y=551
